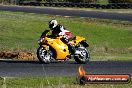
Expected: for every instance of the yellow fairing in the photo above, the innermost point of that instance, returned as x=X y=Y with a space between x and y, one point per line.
x=77 y=40
x=61 y=48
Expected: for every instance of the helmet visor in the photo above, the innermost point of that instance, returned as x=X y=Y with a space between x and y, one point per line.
x=51 y=25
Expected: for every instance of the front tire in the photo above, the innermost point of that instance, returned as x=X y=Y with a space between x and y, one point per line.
x=82 y=55
x=44 y=56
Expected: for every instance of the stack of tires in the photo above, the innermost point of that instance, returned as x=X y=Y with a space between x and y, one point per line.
x=120 y=1
x=121 y=4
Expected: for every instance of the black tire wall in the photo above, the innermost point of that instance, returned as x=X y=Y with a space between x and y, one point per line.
x=120 y=1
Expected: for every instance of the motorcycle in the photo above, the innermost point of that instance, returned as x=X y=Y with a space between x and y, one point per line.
x=53 y=48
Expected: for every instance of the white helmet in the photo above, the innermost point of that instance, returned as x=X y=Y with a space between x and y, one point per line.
x=53 y=23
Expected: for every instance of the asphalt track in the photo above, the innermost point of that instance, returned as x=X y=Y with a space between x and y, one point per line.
x=11 y=68
x=77 y=13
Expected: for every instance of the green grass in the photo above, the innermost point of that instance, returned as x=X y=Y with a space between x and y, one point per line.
x=37 y=82
x=20 y=31
x=53 y=82
x=102 y=1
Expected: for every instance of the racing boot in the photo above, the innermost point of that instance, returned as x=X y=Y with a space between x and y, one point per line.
x=71 y=48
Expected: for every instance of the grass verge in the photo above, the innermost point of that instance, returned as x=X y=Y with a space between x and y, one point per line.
x=53 y=82
x=20 y=32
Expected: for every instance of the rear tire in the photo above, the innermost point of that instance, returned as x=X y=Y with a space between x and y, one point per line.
x=44 y=56
x=83 y=57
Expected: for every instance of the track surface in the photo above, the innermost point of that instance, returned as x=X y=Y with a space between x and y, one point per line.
x=34 y=68
x=78 y=13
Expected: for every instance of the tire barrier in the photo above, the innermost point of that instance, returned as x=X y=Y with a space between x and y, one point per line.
x=81 y=5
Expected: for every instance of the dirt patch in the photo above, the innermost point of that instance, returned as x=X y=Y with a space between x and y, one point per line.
x=18 y=55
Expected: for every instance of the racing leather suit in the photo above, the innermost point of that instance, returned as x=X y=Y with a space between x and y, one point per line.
x=59 y=30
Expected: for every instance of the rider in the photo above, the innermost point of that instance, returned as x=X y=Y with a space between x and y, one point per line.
x=60 y=30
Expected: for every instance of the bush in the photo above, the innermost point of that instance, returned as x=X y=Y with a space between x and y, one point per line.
x=120 y=1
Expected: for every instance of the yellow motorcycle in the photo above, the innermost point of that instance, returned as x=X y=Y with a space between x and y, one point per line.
x=53 y=48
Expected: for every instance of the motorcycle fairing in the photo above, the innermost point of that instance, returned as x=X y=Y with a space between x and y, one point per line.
x=61 y=48
x=77 y=40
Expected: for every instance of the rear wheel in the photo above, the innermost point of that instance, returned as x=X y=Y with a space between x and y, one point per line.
x=82 y=55
x=44 y=56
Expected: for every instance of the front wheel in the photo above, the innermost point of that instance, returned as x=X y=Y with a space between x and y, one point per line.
x=44 y=56
x=82 y=55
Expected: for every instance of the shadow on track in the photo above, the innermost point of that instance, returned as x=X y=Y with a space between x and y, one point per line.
x=37 y=62
x=93 y=63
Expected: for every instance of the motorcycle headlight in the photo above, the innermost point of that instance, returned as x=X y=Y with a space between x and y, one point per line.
x=40 y=40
